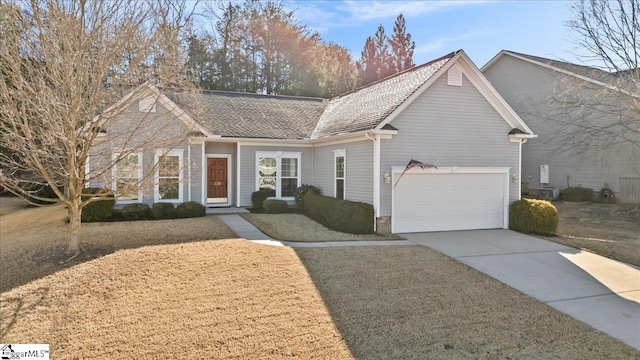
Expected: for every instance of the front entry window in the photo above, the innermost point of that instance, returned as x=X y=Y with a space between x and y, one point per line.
x=278 y=173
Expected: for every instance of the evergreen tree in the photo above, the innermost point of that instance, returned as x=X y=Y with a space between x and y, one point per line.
x=401 y=46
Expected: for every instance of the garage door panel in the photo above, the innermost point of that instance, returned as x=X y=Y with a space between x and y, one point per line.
x=441 y=202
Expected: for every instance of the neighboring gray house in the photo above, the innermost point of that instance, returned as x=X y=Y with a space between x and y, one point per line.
x=578 y=116
x=354 y=146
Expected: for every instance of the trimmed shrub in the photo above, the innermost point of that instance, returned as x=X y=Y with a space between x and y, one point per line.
x=576 y=194
x=531 y=216
x=99 y=210
x=137 y=211
x=163 y=210
x=340 y=215
x=258 y=198
x=302 y=191
x=273 y=206
x=190 y=209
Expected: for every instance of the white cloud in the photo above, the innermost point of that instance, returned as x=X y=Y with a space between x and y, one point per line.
x=372 y=10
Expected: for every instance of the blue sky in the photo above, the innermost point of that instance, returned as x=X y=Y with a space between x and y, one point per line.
x=481 y=28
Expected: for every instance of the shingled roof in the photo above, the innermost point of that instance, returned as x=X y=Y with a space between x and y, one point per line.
x=367 y=107
x=587 y=71
x=230 y=114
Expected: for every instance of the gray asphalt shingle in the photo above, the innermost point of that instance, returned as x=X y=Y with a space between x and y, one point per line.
x=285 y=117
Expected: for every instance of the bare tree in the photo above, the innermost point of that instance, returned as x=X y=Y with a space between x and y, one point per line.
x=605 y=112
x=64 y=64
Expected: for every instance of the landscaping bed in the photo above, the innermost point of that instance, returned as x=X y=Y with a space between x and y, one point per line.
x=611 y=230
x=297 y=227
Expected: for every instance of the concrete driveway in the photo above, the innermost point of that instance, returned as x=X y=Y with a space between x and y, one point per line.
x=601 y=292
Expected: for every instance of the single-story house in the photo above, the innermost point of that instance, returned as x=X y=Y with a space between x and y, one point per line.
x=585 y=137
x=354 y=146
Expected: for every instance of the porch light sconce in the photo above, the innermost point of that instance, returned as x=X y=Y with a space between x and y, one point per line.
x=514 y=176
x=387 y=178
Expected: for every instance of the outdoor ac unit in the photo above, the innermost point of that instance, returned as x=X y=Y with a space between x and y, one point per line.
x=548 y=193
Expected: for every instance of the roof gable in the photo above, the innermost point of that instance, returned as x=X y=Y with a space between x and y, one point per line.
x=586 y=73
x=365 y=108
x=475 y=77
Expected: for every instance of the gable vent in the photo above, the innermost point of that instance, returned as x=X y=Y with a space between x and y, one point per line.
x=454 y=76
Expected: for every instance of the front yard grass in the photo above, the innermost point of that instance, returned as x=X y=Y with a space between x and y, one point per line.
x=611 y=230
x=33 y=240
x=297 y=227
x=232 y=299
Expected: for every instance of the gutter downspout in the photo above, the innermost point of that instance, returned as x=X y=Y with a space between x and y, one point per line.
x=376 y=177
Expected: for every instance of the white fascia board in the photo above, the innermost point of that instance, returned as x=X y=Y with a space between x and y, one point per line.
x=452 y=170
x=491 y=95
x=420 y=90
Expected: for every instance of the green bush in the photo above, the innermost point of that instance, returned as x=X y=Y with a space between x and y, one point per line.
x=273 y=206
x=190 y=209
x=576 y=194
x=99 y=210
x=531 y=216
x=258 y=198
x=340 y=215
x=302 y=191
x=137 y=211
x=163 y=210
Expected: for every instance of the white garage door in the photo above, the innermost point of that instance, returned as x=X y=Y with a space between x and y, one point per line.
x=449 y=201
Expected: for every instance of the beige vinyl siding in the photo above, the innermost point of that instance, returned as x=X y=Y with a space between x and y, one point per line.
x=358 y=170
x=247 y=158
x=530 y=89
x=221 y=148
x=448 y=126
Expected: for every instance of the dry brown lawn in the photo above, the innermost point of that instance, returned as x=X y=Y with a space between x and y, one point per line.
x=11 y=204
x=33 y=240
x=232 y=299
x=207 y=300
x=612 y=230
x=296 y=227
x=150 y=290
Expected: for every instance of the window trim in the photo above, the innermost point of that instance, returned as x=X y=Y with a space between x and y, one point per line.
x=336 y=154
x=114 y=174
x=156 y=178
x=278 y=155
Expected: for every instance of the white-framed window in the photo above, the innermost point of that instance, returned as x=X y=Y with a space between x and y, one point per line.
x=169 y=184
x=127 y=175
x=339 y=172
x=278 y=172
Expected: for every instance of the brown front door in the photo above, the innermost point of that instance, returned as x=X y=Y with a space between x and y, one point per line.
x=217 y=180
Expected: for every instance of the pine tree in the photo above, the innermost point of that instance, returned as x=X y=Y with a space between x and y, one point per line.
x=401 y=46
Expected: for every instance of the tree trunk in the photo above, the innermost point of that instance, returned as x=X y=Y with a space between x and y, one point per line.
x=74 y=241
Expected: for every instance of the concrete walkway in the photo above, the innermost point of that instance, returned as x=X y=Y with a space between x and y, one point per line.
x=601 y=292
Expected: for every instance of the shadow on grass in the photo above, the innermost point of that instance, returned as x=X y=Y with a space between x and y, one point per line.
x=408 y=302
x=41 y=252
x=375 y=296
x=14 y=308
